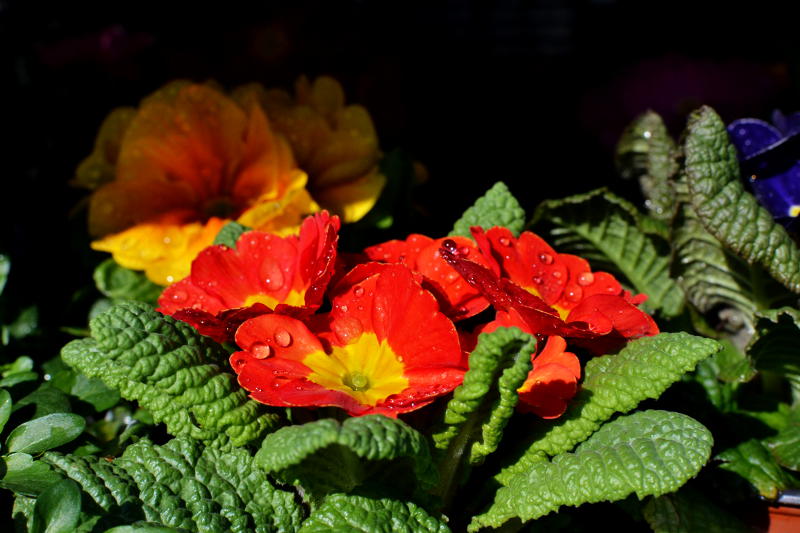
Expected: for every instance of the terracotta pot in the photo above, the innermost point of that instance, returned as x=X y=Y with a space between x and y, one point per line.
x=784 y=516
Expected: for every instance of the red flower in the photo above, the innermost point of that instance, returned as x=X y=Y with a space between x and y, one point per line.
x=384 y=348
x=264 y=272
x=552 y=293
x=457 y=299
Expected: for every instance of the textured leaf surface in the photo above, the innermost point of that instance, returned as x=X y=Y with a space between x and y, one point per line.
x=183 y=485
x=230 y=233
x=647 y=152
x=493 y=352
x=775 y=344
x=119 y=283
x=326 y=455
x=752 y=461
x=605 y=229
x=497 y=207
x=646 y=453
x=173 y=372
x=341 y=512
x=644 y=369
x=726 y=209
x=687 y=511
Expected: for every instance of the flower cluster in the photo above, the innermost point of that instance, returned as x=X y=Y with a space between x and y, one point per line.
x=393 y=339
x=168 y=175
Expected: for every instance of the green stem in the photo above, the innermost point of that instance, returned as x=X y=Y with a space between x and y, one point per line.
x=451 y=464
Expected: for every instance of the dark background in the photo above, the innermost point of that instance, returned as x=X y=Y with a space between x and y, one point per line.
x=534 y=93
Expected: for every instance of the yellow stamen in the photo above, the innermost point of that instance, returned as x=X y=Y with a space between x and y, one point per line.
x=367 y=370
x=293 y=298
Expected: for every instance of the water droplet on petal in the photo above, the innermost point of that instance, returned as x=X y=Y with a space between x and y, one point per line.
x=450 y=246
x=343 y=308
x=585 y=279
x=574 y=294
x=537 y=280
x=238 y=364
x=347 y=329
x=545 y=258
x=557 y=274
x=272 y=276
x=463 y=251
x=261 y=350
x=283 y=338
x=178 y=296
x=358 y=291
x=399 y=358
x=505 y=241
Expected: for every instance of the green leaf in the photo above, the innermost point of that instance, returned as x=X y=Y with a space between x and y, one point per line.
x=58 y=508
x=642 y=370
x=5 y=267
x=343 y=512
x=5 y=408
x=468 y=409
x=647 y=152
x=687 y=511
x=183 y=485
x=23 y=475
x=326 y=456
x=774 y=345
x=752 y=461
x=785 y=446
x=143 y=527
x=25 y=325
x=119 y=283
x=726 y=209
x=646 y=453
x=45 y=433
x=47 y=399
x=605 y=229
x=230 y=233
x=173 y=372
x=497 y=207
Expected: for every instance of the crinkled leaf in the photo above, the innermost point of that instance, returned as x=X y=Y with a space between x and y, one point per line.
x=642 y=370
x=173 y=372
x=5 y=408
x=144 y=527
x=646 y=453
x=497 y=207
x=343 y=512
x=183 y=484
x=726 y=209
x=785 y=446
x=774 y=345
x=57 y=509
x=326 y=456
x=647 y=152
x=606 y=230
x=503 y=406
x=45 y=433
x=119 y=283
x=230 y=233
x=23 y=475
x=466 y=411
x=687 y=511
x=752 y=460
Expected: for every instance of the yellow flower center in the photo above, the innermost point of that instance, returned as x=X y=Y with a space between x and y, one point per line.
x=294 y=298
x=563 y=313
x=367 y=370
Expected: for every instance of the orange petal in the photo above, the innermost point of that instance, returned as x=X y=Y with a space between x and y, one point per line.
x=354 y=199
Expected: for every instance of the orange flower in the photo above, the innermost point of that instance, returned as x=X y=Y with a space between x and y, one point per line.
x=188 y=160
x=263 y=273
x=456 y=297
x=334 y=143
x=383 y=348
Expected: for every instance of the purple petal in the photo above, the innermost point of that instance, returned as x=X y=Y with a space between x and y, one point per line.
x=788 y=124
x=780 y=193
x=751 y=135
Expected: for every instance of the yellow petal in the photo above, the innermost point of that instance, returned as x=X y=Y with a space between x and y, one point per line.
x=164 y=251
x=352 y=200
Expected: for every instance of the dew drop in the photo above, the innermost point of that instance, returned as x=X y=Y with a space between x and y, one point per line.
x=272 y=276
x=450 y=246
x=463 y=251
x=179 y=296
x=261 y=350
x=399 y=358
x=259 y=389
x=545 y=258
x=537 y=280
x=358 y=291
x=505 y=241
x=557 y=274
x=347 y=329
x=343 y=308
x=574 y=294
x=239 y=363
x=585 y=279
x=283 y=338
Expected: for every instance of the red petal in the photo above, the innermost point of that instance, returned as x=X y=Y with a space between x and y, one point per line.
x=395 y=251
x=185 y=294
x=221 y=327
x=319 y=236
x=618 y=315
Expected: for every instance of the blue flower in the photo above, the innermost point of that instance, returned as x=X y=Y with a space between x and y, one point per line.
x=769 y=155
